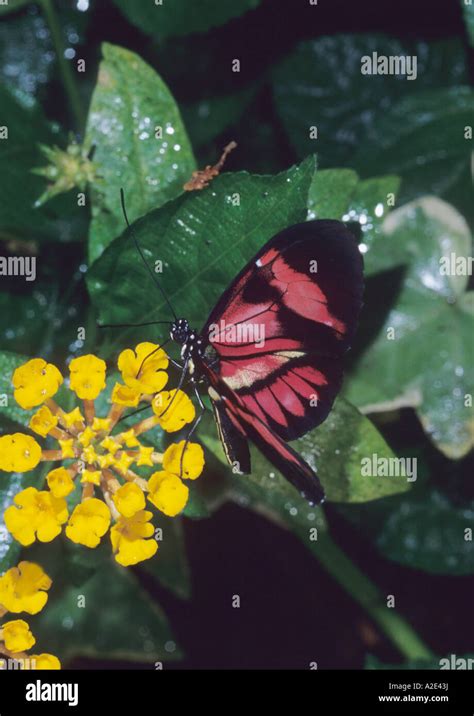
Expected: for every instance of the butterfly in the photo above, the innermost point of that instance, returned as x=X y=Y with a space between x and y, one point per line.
x=270 y=354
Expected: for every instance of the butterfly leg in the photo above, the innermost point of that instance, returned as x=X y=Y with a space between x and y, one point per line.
x=193 y=427
x=176 y=363
x=184 y=370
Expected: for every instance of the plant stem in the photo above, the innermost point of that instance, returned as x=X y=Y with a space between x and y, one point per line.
x=67 y=74
x=367 y=594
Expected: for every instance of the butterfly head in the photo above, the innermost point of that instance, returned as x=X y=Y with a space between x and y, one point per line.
x=180 y=330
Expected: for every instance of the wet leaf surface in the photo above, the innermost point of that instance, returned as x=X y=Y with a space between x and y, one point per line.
x=432 y=310
x=129 y=103
x=321 y=84
x=422 y=139
x=340 y=194
x=202 y=239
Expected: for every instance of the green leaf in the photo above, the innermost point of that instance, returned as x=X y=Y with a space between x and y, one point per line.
x=428 y=533
x=180 y=17
x=423 y=529
x=422 y=139
x=19 y=154
x=337 y=449
x=170 y=565
x=331 y=192
x=196 y=507
x=431 y=310
x=203 y=239
x=129 y=102
x=108 y=617
x=468 y=10
x=39 y=321
x=340 y=194
x=9 y=408
x=320 y=84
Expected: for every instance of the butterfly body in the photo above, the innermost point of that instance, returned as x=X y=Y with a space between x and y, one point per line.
x=271 y=351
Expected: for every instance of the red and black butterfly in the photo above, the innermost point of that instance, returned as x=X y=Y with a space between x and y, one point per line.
x=271 y=352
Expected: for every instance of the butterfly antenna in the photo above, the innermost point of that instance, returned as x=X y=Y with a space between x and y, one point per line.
x=138 y=247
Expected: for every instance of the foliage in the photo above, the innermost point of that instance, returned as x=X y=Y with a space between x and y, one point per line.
x=391 y=159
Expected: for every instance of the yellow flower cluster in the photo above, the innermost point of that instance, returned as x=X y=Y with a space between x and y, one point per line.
x=23 y=589
x=95 y=454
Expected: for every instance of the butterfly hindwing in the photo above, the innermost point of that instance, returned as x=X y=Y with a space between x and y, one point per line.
x=281 y=455
x=232 y=438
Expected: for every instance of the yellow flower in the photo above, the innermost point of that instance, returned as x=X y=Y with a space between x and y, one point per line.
x=89 y=455
x=101 y=424
x=86 y=436
x=22 y=588
x=129 y=438
x=144 y=456
x=105 y=460
x=182 y=410
x=89 y=522
x=123 y=462
x=129 y=499
x=193 y=461
x=44 y=661
x=123 y=395
x=87 y=376
x=67 y=448
x=110 y=444
x=70 y=419
x=17 y=636
x=129 y=539
x=92 y=476
x=144 y=368
x=19 y=453
x=167 y=492
x=43 y=421
x=35 y=382
x=38 y=515
x=60 y=482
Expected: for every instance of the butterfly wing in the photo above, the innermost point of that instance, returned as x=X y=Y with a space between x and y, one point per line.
x=233 y=438
x=244 y=424
x=278 y=335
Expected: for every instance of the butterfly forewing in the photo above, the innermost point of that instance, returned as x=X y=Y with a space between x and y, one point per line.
x=279 y=333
